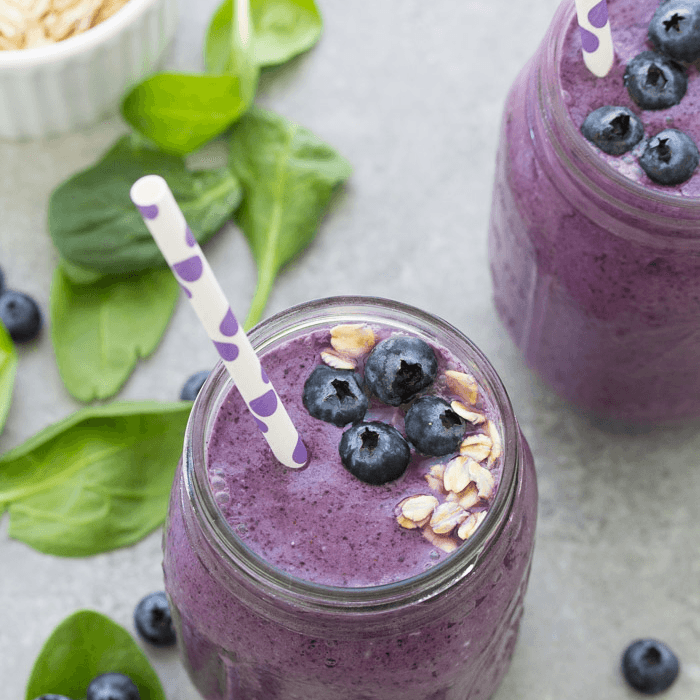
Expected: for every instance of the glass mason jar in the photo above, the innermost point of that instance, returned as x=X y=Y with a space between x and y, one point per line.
x=249 y=631
x=596 y=276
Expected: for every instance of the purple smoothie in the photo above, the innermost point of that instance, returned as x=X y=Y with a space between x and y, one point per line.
x=596 y=269
x=302 y=583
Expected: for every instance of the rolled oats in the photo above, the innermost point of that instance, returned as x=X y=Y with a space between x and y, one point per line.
x=417 y=509
x=463 y=411
x=477 y=446
x=446 y=517
x=332 y=359
x=468 y=526
x=31 y=23
x=496 y=442
x=352 y=339
x=464 y=385
x=456 y=475
x=444 y=542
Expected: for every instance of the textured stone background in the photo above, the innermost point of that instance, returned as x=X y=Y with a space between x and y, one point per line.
x=411 y=93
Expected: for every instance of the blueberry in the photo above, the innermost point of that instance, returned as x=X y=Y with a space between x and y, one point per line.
x=112 y=686
x=153 y=620
x=375 y=453
x=52 y=696
x=2 y=282
x=649 y=666
x=335 y=396
x=192 y=386
x=615 y=130
x=399 y=367
x=654 y=81
x=674 y=29
x=433 y=427
x=20 y=315
x=670 y=157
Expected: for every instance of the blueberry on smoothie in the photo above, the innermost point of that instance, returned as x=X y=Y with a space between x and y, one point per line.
x=194 y=383
x=654 y=81
x=399 y=367
x=335 y=396
x=649 y=666
x=615 y=130
x=112 y=686
x=674 y=29
x=433 y=427
x=20 y=314
x=670 y=157
x=374 y=452
x=153 y=620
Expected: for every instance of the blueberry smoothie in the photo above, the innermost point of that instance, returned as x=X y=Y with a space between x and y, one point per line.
x=394 y=565
x=595 y=221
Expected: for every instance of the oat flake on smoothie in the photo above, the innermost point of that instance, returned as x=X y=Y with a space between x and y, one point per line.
x=26 y=24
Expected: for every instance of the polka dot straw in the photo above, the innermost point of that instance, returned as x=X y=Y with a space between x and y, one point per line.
x=167 y=225
x=596 y=37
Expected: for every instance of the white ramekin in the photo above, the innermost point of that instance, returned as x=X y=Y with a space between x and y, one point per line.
x=58 y=88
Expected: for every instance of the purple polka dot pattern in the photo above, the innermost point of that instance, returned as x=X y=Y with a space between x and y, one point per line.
x=598 y=16
x=176 y=241
x=150 y=211
x=227 y=351
x=190 y=269
x=265 y=405
x=229 y=326
x=589 y=41
x=300 y=455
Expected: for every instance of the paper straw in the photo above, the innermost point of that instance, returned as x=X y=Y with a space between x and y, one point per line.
x=167 y=225
x=596 y=37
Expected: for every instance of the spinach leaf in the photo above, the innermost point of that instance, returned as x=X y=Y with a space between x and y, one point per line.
x=87 y=644
x=96 y=480
x=100 y=330
x=289 y=176
x=8 y=369
x=179 y=112
x=282 y=29
x=94 y=224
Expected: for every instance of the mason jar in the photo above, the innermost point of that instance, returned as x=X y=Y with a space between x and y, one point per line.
x=596 y=275
x=250 y=631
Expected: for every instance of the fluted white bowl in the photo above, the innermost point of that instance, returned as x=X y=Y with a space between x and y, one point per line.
x=67 y=85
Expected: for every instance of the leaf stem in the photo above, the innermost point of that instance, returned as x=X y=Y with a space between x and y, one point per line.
x=259 y=301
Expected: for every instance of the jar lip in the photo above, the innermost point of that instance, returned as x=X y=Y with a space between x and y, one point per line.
x=323 y=313
x=566 y=137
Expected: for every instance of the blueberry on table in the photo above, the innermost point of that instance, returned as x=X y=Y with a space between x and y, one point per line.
x=193 y=384
x=2 y=281
x=670 y=157
x=52 y=696
x=374 y=452
x=615 y=130
x=399 y=367
x=433 y=427
x=654 y=81
x=20 y=315
x=649 y=666
x=153 y=620
x=335 y=396
x=112 y=686
x=674 y=29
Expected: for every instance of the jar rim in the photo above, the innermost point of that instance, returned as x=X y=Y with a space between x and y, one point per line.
x=251 y=569
x=680 y=223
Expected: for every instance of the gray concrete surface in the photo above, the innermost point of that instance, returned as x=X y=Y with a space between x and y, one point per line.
x=411 y=93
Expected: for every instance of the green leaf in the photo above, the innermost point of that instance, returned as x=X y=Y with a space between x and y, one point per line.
x=289 y=176
x=181 y=112
x=97 y=480
x=8 y=369
x=94 y=224
x=83 y=646
x=282 y=29
x=101 y=330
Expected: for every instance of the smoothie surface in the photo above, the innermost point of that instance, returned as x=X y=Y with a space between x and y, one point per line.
x=321 y=523
x=583 y=92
